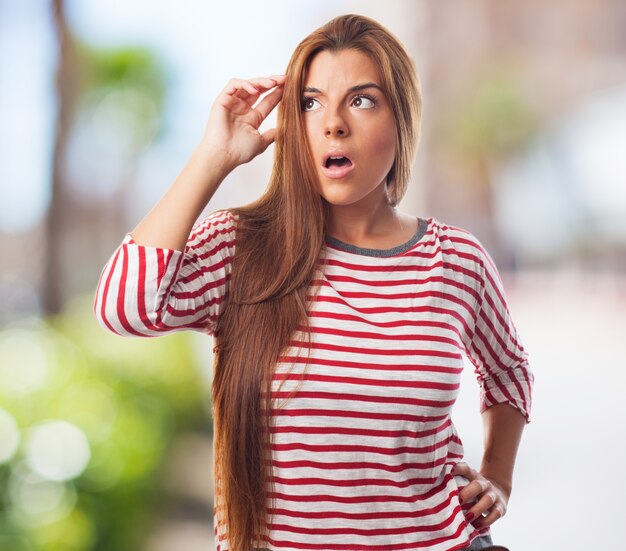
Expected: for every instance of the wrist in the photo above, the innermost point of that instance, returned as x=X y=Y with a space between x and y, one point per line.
x=504 y=484
x=214 y=158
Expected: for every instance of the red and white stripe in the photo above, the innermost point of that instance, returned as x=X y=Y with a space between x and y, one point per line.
x=148 y=291
x=362 y=437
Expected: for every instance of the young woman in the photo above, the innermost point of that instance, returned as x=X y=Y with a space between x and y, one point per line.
x=340 y=322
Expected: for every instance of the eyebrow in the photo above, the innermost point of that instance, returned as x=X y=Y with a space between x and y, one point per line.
x=356 y=88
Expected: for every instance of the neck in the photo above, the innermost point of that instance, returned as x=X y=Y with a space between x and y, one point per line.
x=366 y=218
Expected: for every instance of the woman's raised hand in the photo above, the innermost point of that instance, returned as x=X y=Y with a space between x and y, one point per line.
x=233 y=126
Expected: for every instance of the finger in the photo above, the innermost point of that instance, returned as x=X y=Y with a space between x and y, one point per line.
x=235 y=104
x=484 y=504
x=261 y=84
x=268 y=137
x=464 y=469
x=496 y=512
x=252 y=88
x=243 y=91
x=470 y=490
x=474 y=489
x=236 y=85
x=460 y=468
x=269 y=102
x=268 y=82
x=279 y=79
x=249 y=98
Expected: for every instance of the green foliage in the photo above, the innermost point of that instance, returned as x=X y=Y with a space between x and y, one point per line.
x=122 y=67
x=128 y=396
x=127 y=86
x=490 y=117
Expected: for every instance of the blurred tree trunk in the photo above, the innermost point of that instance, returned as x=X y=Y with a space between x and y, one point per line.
x=66 y=92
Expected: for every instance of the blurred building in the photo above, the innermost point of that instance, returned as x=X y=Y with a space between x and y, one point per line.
x=500 y=81
x=503 y=81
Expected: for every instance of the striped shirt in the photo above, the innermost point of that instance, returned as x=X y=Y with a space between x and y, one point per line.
x=363 y=442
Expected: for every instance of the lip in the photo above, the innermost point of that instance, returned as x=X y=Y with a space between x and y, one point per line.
x=336 y=172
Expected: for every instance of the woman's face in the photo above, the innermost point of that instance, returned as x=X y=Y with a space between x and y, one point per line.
x=346 y=114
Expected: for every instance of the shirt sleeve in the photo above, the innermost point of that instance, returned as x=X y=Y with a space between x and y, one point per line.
x=495 y=348
x=148 y=291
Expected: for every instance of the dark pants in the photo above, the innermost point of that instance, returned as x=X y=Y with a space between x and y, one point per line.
x=481 y=542
x=484 y=543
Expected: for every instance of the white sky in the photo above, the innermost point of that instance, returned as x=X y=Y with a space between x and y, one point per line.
x=203 y=43
x=26 y=113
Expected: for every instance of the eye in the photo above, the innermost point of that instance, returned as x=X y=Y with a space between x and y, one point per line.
x=306 y=102
x=368 y=99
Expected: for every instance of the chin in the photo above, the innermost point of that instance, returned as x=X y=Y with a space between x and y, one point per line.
x=339 y=199
x=342 y=194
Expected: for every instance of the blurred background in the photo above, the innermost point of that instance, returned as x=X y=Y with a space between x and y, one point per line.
x=105 y=442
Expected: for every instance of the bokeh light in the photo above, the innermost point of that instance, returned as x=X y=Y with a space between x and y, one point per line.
x=24 y=362
x=9 y=436
x=57 y=450
x=38 y=500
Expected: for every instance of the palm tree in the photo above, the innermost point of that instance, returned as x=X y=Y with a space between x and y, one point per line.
x=130 y=83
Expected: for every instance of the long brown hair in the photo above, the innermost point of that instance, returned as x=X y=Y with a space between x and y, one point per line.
x=280 y=240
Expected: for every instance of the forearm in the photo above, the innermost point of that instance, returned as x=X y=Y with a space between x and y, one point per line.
x=169 y=223
x=503 y=426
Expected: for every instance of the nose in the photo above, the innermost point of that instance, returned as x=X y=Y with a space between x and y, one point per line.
x=335 y=124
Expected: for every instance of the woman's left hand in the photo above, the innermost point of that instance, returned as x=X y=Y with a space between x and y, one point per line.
x=491 y=497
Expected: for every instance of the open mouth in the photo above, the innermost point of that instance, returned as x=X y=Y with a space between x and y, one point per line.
x=337 y=166
x=337 y=161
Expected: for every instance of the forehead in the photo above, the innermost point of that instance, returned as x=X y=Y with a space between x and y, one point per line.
x=340 y=69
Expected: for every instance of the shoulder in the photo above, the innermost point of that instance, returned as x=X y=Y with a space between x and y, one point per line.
x=462 y=253
x=221 y=216
x=222 y=220
x=216 y=230
x=457 y=238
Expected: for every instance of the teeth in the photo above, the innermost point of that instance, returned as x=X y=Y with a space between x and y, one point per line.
x=336 y=157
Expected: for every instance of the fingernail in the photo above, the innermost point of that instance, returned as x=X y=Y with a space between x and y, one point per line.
x=469 y=516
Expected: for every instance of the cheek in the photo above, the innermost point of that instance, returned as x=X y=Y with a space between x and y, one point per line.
x=310 y=145
x=310 y=136
x=384 y=141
